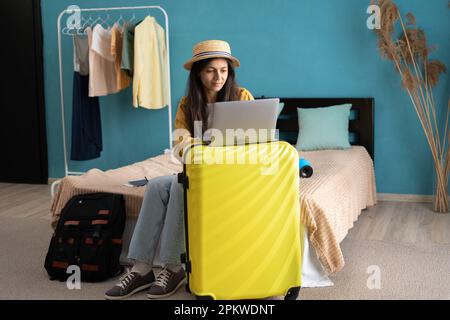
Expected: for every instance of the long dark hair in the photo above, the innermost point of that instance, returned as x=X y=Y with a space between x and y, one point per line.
x=196 y=108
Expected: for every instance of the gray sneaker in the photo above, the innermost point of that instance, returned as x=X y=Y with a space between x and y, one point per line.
x=130 y=284
x=166 y=284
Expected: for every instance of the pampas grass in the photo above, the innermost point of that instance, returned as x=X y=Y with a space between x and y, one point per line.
x=419 y=75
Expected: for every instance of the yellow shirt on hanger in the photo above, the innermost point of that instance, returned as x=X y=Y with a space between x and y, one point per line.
x=150 y=81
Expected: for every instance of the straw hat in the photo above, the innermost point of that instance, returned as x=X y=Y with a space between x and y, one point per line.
x=211 y=49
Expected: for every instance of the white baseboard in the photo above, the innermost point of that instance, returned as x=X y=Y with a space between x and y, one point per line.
x=404 y=197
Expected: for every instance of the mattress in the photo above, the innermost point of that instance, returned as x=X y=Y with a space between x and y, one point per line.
x=343 y=184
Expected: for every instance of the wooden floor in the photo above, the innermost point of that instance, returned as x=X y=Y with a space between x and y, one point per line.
x=25 y=200
x=402 y=223
x=397 y=222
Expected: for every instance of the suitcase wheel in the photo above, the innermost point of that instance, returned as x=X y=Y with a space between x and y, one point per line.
x=292 y=294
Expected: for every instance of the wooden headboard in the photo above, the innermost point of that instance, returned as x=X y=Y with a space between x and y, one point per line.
x=361 y=124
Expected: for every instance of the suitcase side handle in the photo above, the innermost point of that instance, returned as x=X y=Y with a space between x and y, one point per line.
x=183 y=180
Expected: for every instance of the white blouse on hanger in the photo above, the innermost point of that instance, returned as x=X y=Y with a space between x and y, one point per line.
x=102 y=74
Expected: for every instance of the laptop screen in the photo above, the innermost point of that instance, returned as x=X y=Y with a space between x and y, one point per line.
x=242 y=122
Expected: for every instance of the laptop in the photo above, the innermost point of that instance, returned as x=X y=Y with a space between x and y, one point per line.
x=242 y=122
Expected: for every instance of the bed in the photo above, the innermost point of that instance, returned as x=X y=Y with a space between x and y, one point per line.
x=343 y=183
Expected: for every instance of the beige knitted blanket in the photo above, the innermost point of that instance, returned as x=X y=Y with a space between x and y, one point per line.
x=342 y=185
x=114 y=181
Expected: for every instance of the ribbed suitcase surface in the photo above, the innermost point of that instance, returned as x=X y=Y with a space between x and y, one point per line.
x=243 y=220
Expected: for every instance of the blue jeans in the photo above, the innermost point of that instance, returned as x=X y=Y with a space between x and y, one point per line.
x=160 y=220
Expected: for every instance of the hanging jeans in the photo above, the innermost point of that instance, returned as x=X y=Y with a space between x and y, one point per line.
x=86 y=122
x=160 y=220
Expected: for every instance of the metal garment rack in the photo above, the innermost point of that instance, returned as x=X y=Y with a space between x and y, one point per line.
x=61 y=83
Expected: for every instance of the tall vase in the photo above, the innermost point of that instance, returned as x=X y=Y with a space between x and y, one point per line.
x=440 y=193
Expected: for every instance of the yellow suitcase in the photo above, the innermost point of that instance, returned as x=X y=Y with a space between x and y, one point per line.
x=242 y=221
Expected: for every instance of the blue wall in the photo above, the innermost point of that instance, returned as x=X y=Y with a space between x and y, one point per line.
x=287 y=48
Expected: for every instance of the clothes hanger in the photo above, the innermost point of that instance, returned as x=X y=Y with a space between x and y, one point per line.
x=67 y=31
x=94 y=22
x=99 y=21
x=105 y=22
x=70 y=31
x=82 y=30
x=64 y=30
x=133 y=18
x=120 y=20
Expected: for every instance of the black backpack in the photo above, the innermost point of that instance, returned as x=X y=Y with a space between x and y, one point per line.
x=88 y=235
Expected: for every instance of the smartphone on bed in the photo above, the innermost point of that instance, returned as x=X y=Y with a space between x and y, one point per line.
x=138 y=183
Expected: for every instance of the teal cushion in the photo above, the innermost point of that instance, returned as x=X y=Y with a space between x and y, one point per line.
x=323 y=128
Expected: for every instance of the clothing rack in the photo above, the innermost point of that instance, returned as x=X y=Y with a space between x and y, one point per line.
x=61 y=81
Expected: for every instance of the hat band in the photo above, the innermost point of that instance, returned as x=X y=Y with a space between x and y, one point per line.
x=207 y=53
